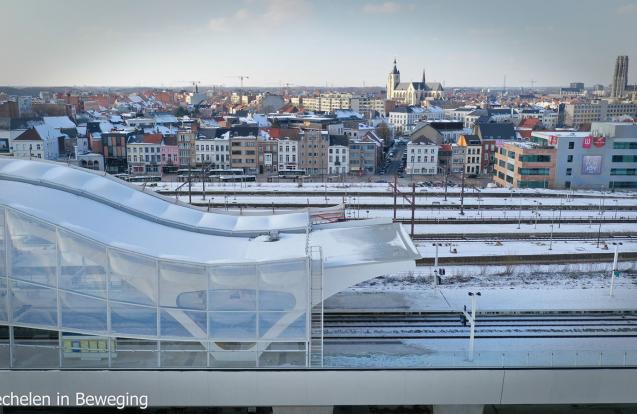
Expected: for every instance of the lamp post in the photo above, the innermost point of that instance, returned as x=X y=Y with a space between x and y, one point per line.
x=472 y=321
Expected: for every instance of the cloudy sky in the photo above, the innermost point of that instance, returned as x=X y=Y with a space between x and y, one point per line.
x=305 y=42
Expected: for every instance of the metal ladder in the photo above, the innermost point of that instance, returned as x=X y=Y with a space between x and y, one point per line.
x=316 y=297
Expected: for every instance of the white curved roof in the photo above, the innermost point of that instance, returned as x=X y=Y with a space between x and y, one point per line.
x=122 y=216
x=109 y=190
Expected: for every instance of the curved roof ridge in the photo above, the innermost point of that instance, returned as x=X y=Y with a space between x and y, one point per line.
x=123 y=196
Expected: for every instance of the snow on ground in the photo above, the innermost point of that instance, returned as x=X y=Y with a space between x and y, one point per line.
x=524 y=228
x=435 y=202
x=567 y=286
x=375 y=187
x=521 y=247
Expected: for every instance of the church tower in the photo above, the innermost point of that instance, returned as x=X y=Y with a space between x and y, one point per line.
x=392 y=81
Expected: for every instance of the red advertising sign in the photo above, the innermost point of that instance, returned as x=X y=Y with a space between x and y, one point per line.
x=586 y=143
x=599 y=141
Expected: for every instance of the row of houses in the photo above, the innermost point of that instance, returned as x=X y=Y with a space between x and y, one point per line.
x=313 y=151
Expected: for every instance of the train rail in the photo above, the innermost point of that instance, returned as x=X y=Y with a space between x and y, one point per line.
x=397 y=326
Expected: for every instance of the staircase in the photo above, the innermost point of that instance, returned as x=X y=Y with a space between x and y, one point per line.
x=316 y=297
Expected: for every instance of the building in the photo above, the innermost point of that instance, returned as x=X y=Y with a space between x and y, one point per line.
x=331 y=102
x=112 y=145
x=213 y=153
x=411 y=93
x=243 y=154
x=524 y=165
x=186 y=147
x=338 y=155
x=422 y=157
x=547 y=117
x=575 y=89
x=313 y=151
x=472 y=153
x=439 y=132
x=144 y=154
x=495 y=131
x=620 y=78
x=105 y=276
x=169 y=152
x=267 y=151
x=365 y=154
x=405 y=118
x=38 y=142
x=288 y=153
x=604 y=158
x=583 y=114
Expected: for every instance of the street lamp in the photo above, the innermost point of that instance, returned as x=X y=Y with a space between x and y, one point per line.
x=472 y=321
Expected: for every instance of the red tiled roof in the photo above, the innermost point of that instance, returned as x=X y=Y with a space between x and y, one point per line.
x=29 y=135
x=153 y=138
x=529 y=123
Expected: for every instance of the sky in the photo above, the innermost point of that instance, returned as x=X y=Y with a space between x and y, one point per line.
x=319 y=43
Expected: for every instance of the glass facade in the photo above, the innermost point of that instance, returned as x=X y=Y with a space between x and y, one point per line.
x=67 y=301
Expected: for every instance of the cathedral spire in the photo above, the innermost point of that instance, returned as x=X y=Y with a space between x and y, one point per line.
x=424 y=83
x=395 y=70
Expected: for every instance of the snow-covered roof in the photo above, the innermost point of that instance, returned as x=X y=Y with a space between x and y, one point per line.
x=58 y=122
x=165 y=119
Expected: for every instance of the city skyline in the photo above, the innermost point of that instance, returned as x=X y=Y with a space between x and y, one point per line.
x=310 y=44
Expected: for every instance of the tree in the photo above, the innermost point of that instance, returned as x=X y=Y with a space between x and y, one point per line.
x=384 y=132
x=181 y=111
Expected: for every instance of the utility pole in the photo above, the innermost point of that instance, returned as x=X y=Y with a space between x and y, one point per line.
x=464 y=160
x=552 y=223
x=413 y=208
x=472 y=321
x=614 y=271
x=395 y=194
x=446 y=173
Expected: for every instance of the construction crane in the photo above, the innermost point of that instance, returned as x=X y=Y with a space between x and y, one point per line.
x=241 y=78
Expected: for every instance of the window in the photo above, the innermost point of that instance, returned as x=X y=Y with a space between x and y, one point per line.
x=624 y=145
x=569 y=171
x=569 y=158
x=623 y=171
x=624 y=158
x=571 y=144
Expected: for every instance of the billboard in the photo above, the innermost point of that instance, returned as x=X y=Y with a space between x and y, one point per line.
x=591 y=165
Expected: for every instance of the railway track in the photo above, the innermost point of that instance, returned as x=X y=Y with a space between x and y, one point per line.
x=424 y=206
x=353 y=193
x=580 y=237
x=396 y=326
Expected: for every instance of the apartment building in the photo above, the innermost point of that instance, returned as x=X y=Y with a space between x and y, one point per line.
x=313 y=151
x=338 y=155
x=186 y=141
x=405 y=118
x=213 y=152
x=365 y=154
x=576 y=115
x=422 y=157
x=473 y=153
x=144 y=154
x=243 y=154
x=267 y=155
x=288 y=154
x=524 y=165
